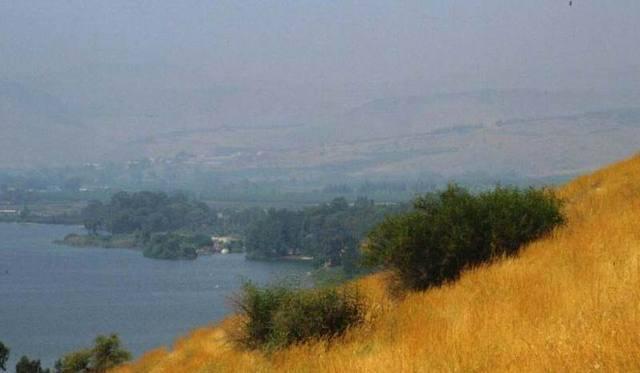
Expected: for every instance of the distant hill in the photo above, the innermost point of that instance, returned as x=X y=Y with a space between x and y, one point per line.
x=534 y=133
x=38 y=128
x=569 y=302
x=126 y=113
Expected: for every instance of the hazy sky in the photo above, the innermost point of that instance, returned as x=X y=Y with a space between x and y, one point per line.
x=325 y=42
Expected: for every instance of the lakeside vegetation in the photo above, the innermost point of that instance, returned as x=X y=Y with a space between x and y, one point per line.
x=121 y=241
x=162 y=226
x=106 y=353
x=567 y=301
x=178 y=227
x=328 y=233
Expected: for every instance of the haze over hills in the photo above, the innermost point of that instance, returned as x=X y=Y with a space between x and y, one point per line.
x=26 y=115
x=346 y=90
x=532 y=132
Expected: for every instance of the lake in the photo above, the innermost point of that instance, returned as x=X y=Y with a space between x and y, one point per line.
x=55 y=299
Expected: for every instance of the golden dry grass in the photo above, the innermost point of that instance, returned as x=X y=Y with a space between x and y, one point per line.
x=569 y=302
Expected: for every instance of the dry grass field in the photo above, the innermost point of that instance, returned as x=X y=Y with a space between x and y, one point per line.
x=568 y=302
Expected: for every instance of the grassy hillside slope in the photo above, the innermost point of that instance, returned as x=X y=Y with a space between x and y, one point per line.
x=569 y=302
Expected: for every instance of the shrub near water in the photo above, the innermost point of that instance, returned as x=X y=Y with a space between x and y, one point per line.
x=106 y=353
x=279 y=316
x=455 y=229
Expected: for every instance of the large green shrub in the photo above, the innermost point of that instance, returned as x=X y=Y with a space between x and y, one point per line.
x=279 y=316
x=515 y=216
x=257 y=306
x=455 y=229
x=106 y=353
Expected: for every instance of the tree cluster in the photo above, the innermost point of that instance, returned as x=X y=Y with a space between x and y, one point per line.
x=329 y=232
x=145 y=212
x=174 y=246
x=106 y=353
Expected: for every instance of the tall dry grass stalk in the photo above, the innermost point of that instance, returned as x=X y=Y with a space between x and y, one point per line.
x=569 y=302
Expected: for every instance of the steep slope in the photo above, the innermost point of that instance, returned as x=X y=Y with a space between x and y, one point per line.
x=569 y=302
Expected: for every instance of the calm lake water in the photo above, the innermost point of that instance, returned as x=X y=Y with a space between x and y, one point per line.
x=55 y=299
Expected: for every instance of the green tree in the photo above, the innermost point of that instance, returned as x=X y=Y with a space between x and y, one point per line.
x=25 y=365
x=74 y=362
x=336 y=240
x=108 y=352
x=170 y=246
x=93 y=216
x=4 y=356
x=148 y=212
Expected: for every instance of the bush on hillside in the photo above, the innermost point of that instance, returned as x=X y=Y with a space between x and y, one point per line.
x=455 y=229
x=516 y=217
x=106 y=353
x=278 y=316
